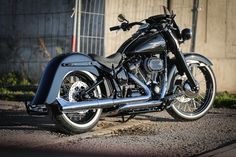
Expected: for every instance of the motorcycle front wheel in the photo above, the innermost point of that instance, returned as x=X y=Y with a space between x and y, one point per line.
x=186 y=107
x=82 y=120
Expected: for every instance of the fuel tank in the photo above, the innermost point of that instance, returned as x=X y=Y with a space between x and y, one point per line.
x=151 y=43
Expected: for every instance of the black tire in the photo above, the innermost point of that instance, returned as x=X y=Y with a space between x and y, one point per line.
x=80 y=121
x=201 y=103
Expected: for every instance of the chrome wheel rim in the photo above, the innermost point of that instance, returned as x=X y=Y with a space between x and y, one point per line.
x=197 y=106
x=73 y=84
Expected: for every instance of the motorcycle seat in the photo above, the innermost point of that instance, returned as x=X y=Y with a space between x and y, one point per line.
x=113 y=59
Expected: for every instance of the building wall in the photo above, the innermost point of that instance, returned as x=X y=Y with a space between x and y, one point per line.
x=216 y=27
x=134 y=10
x=216 y=39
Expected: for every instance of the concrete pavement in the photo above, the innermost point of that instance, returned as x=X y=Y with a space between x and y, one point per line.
x=227 y=151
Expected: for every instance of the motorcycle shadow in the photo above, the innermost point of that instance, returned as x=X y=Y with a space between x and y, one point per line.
x=154 y=118
x=20 y=120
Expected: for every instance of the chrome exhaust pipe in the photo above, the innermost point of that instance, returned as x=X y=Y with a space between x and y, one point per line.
x=137 y=105
x=140 y=105
x=104 y=103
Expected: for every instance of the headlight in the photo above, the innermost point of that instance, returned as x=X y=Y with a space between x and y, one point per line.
x=186 y=34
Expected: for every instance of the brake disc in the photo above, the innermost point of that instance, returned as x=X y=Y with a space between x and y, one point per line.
x=74 y=92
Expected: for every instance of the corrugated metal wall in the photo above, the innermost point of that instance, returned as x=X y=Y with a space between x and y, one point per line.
x=34 y=31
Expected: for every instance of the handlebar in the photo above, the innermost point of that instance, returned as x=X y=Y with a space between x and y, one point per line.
x=125 y=26
x=114 y=28
x=167 y=21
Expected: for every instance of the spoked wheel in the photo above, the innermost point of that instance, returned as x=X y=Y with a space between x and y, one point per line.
x=82 y=120
x=195 y=105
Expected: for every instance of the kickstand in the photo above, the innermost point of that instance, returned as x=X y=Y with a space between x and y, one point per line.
x=130 y=117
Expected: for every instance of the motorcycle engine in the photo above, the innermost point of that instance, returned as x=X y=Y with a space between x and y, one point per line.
x=152 y=67
x=149 y=69
x=153 y=64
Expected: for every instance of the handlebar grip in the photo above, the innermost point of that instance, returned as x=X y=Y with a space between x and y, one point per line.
x=114 y=28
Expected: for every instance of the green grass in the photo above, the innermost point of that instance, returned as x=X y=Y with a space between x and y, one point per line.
x=15 y=87
x=13 y=78
x=16 y=95
x=225 y=100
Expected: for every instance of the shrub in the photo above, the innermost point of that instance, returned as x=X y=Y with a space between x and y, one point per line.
x=13 y=78
x=14 y=87
x=225 y=100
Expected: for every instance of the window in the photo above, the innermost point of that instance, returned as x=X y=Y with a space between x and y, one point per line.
x=92 y=27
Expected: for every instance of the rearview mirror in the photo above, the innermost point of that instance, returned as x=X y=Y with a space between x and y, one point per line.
x=166 y=11
x=121 y=18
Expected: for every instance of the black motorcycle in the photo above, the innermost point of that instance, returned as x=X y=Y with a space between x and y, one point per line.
x=148 y=73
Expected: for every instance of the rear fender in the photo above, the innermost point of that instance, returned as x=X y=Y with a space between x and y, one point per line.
x=55 y=72
x=188 y=56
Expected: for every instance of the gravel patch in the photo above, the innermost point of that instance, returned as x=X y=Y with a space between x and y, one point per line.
x=164 y=138
x=154 y=134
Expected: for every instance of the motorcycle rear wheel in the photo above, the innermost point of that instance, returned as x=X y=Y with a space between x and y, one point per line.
x=187 y=108
x=83 y=120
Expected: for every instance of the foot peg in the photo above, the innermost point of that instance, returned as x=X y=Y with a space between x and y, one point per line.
x=36 y=109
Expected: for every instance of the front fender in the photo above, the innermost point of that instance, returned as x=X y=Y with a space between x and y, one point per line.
x=198 y=57
x=188 y=56
x=55 y=72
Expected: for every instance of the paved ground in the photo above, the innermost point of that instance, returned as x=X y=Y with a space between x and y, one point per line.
x=226 y=151
x=155 y=134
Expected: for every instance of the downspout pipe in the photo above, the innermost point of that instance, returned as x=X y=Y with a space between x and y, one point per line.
x=194 y=24
x=74 y=39
x=79 y=4
x=169 y=5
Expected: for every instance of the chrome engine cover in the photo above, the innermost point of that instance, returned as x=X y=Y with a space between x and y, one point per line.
x=153 y=64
